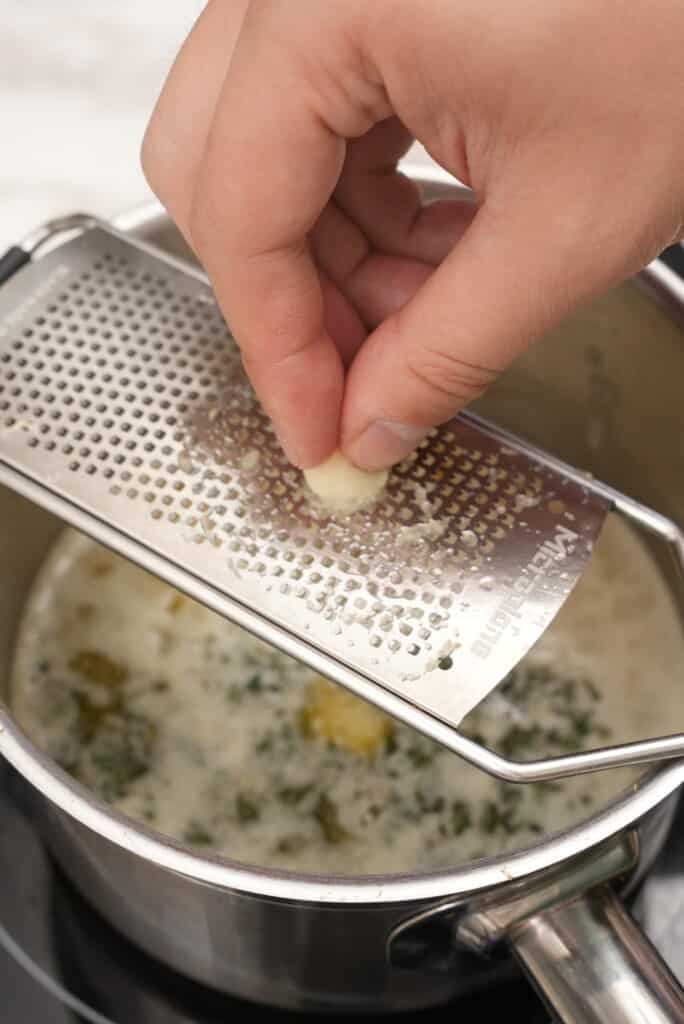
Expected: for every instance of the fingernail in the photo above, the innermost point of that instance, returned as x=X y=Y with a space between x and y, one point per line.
x=290 y=447
x=384 y=443
x=300 y=456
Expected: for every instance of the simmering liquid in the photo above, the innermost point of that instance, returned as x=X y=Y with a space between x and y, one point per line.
x=189 y=725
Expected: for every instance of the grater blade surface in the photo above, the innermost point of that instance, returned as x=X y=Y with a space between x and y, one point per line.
x=124 y=408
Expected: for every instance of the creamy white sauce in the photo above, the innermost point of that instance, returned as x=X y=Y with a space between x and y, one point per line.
x=198 y=730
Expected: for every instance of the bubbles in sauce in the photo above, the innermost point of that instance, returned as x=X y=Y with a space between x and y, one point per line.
x=189 y=725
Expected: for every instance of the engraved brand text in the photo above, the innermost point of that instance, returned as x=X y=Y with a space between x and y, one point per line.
x=555 y=550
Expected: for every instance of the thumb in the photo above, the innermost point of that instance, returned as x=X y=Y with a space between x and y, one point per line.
x=512 y=275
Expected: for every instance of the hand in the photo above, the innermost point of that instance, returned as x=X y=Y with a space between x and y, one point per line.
x=365 y=318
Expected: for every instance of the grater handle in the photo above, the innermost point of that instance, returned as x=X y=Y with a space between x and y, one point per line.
x=17 y=256
x=622 y=755
x=11 y=261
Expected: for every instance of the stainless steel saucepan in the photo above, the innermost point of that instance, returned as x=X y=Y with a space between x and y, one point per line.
x=605 y=393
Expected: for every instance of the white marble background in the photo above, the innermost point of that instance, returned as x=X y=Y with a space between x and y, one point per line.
x=78 y=79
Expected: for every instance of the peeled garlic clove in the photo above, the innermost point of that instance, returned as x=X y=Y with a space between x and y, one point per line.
x=341 y=486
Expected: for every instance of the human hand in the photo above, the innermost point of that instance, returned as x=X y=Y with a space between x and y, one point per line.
x=365 y=318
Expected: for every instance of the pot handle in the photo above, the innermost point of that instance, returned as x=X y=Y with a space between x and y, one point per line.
x=586 y=956
x=593 y=965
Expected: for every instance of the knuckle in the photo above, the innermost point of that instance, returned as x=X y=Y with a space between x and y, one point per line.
x=449 y=377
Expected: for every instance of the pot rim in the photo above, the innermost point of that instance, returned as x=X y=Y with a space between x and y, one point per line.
x=77 y=802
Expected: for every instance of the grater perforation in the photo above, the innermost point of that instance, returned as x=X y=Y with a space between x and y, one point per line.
x=124 y=404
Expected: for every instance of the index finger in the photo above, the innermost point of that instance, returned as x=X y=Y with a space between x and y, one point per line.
x=269 y=168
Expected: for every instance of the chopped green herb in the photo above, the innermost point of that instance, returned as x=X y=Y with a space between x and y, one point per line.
x=580 y=721
x=520 y=683
x=489 y=818
x=496 y=819
x=538 y=675
x=591 y=689
x=461 y=818
x=419 y=756
x=326 y=814
x=197 y=835
x=390 y=744
x=246 y=809
x=510 y=794
x=429 y=805
x=253 y=684
x=291 y=795
x=561 y=740
x=566 y=690
x=519 y=738
x=119 y=753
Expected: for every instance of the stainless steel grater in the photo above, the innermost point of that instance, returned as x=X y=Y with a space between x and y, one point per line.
x=125 y=410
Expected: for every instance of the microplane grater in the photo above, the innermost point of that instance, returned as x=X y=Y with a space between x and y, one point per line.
x=124 y=408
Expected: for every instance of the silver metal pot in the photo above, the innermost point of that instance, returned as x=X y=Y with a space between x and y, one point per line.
x=603 y=392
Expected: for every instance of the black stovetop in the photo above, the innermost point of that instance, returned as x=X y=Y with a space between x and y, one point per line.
x=48 y=918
